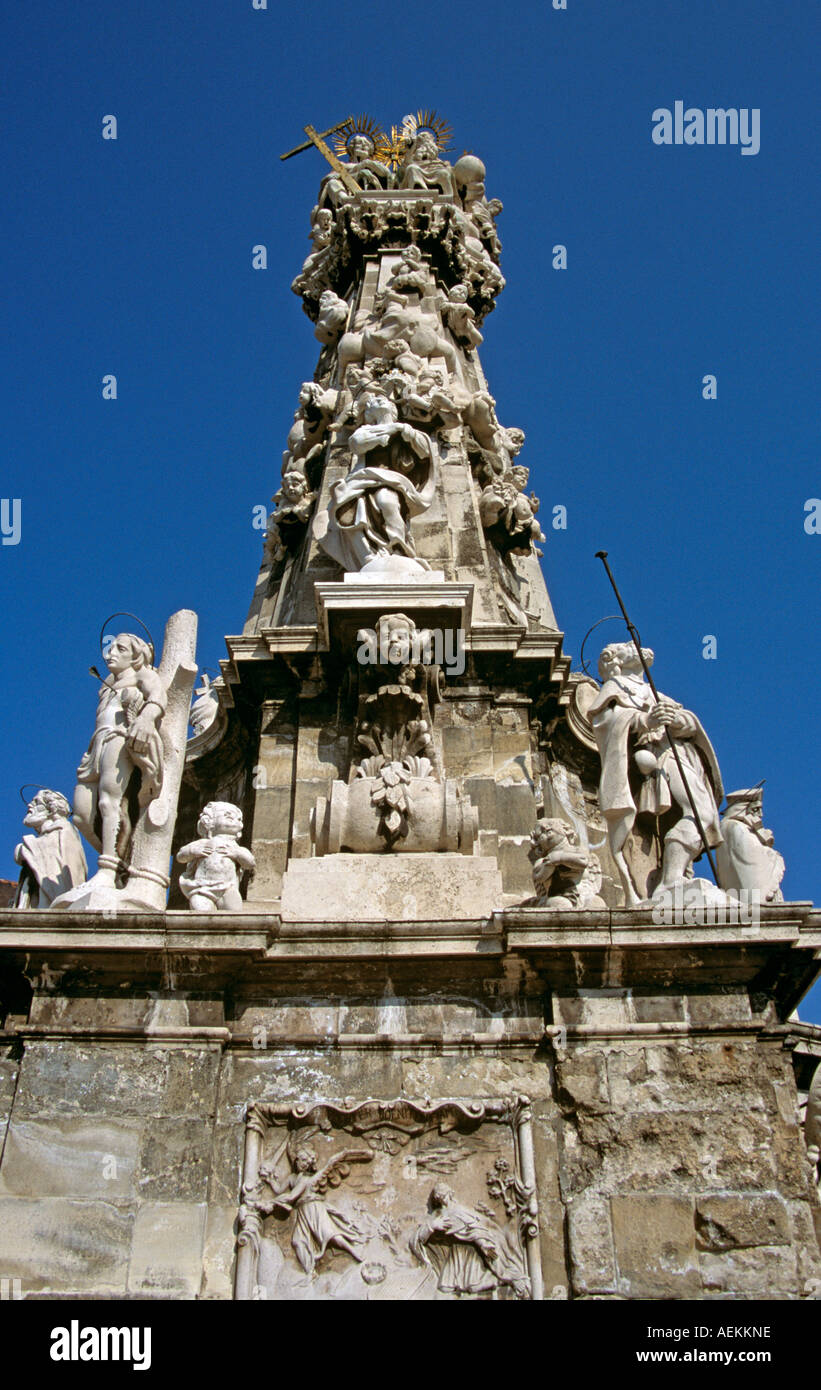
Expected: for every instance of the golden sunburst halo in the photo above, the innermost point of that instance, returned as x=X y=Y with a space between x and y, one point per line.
x=412 y=125
x=433 y=123
x=365 y=126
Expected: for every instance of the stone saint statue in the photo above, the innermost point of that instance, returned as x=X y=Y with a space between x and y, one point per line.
x=217 y=859
x=422 y=168
x=392 y=480
x=122 y=771
x=747 y=859
x=468 y=1251
x=52 y=859
x=367 y=171
x=630 y=729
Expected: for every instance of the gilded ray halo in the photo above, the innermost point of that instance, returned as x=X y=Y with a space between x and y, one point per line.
x=363 y=125
x=435 y=125
x=412 y=124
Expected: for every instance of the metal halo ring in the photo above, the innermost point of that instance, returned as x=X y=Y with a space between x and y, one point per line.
x=123 y=614
x=39 y=786
x=611 y=617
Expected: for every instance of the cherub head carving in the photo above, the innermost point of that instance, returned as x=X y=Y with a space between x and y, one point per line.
x=548 y=834
x=220 y=818
x=294 y=485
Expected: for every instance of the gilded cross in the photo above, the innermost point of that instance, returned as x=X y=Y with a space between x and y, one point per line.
x=317 y=140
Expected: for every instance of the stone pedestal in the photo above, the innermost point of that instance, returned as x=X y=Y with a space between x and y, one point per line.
x=660 y=1139
x=385 y=887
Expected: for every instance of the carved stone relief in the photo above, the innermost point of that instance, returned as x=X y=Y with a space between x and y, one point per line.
x=396 y=797
x=400 y=1200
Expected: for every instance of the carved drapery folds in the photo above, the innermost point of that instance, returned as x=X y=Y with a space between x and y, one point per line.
x=462 y=1221
x=392 y=479
x=52 y=859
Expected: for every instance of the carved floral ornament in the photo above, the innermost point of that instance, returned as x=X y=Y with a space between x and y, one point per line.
x=401 y=1199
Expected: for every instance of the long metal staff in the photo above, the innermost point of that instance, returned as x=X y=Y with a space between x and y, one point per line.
x=602 y=555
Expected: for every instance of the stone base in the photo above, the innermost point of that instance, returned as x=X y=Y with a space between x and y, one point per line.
x=98 y=894
x=688 y=895
x=395 y=569
x=391 y=887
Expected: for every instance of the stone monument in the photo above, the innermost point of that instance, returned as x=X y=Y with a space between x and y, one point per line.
x=401 y=976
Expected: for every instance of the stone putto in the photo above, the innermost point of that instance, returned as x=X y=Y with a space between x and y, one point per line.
x=217 y=860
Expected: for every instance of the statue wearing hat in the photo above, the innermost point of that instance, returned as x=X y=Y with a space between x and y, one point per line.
x=746 y=858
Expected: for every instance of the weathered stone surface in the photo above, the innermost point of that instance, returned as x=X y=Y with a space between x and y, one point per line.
x=734 y=1006
x=590 y=1239
x=658 y=1008
x=190 y=1080
x=654 y=1238
x=166 y=1255
x=582 y=1082
x=728 y=1222
x=514 y=865
x=515 y=808
x=9 y=1069
x=71 y=1157
x=764 y=1272
x=395 y=887
x=226 y=1166
x=65 y=1077
x=218 y=1253
x=52 y=1244
x=658 y=1078
x=174 y=1160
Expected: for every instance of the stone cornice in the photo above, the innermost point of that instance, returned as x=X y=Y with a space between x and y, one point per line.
x=560 y=951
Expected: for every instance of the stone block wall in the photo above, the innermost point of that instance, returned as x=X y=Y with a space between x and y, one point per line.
x=683 y=1171
x=669 y=1165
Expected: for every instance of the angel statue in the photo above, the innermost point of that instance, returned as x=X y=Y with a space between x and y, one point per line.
x=317 y=1225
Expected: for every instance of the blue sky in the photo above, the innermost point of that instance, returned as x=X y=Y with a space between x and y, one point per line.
x=134 y=257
